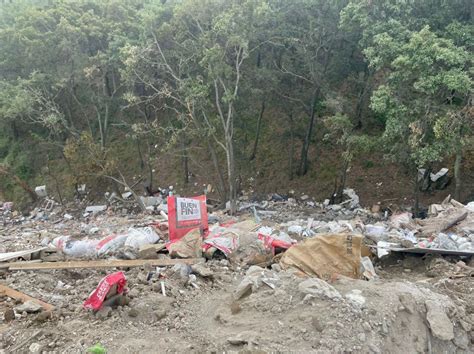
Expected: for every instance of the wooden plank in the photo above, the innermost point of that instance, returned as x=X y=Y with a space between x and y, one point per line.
x=14 y=294
x=103 y=264
x=6 y=265
x=12 y=255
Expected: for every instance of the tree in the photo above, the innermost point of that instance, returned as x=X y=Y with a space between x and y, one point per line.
x=428 y=83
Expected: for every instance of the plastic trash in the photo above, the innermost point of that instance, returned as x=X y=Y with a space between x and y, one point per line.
x=109 y=286
x=138 y=237
x=96 y=349
x=76 y=248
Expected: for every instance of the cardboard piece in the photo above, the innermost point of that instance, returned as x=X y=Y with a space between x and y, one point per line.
x=326 y=255
x=189 y=246
x=186 y=214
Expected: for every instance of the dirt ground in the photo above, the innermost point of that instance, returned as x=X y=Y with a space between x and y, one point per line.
x=417 y=304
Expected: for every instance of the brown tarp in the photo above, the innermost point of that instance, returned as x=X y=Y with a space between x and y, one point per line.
x=326 y=255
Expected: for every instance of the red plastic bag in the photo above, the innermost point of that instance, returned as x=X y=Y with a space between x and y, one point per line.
x=97 y=297
x=186 y=214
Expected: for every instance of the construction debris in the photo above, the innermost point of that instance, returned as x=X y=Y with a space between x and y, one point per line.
x=318 y=268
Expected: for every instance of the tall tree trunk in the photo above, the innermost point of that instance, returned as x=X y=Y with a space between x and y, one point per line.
x=361 y=99
x=416 y=208
x=259 y=127
x=342 y=181
x=231 y=174
x=185 y=160
x=457 y=174
x=221 y=188
x=292 y=148
x=305 y=149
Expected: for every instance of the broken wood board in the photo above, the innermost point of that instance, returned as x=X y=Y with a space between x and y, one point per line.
x=12 y=255
x=103 y=264
x=9 y=264
x=14 y=294
x=432 y=251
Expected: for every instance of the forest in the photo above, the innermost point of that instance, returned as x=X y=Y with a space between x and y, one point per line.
x=97 y=92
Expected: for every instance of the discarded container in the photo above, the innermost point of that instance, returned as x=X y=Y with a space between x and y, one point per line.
x=186 y=214
x=109 y=286
x=41 y=191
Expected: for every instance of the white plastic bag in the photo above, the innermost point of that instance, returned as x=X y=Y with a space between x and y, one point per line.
x=138 y=237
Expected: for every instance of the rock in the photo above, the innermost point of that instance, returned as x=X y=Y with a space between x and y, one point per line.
x=236 y=341
x=29 y=306
x=317 y=325
x=133 y=312
x=461 y=339
x=276 y=267
x=103 y=313
x=8 y=315
x=319 y=287
x=160 y=314
x=133 y=293
x=408 y=302
x=465 y=325
x=440 y=324
x=361 y=337
x=235 y=308
x=202 y=270
x=384 y=327
x=44 y=316
x=243 y=289
x=355 y=298
x=366 y=326
x=35 y=348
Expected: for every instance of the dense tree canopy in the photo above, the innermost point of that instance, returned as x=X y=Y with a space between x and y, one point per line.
x=78 y=76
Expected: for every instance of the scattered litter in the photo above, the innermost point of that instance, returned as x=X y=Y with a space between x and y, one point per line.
x=109 y=286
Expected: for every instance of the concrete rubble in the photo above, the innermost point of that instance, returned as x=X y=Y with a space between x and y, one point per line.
x=316 y=276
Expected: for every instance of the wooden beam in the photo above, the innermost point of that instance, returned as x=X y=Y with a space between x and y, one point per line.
x=12 y=255
x=102 y=264
x=14 y=294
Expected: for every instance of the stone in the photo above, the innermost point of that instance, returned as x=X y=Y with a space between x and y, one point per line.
x=29 y=306
x=317 y=325
x=320 y=288
x=361 y=337
x=202 y=270
x=44 y=316
x=96 y=208
x=133 y=312
x=243 y=289
x=8 y=315
x=461 y=339
x=465 y=325
x=35 y=348
x=160 y=314
x=235 y=308
x=440 y=324
x=276 y=267
x=236 y=341
x=355 y=298
x=103 y=313
x=366 y=326
x=408 y=302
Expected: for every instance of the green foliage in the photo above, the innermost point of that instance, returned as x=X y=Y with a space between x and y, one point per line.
x=80 y=77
